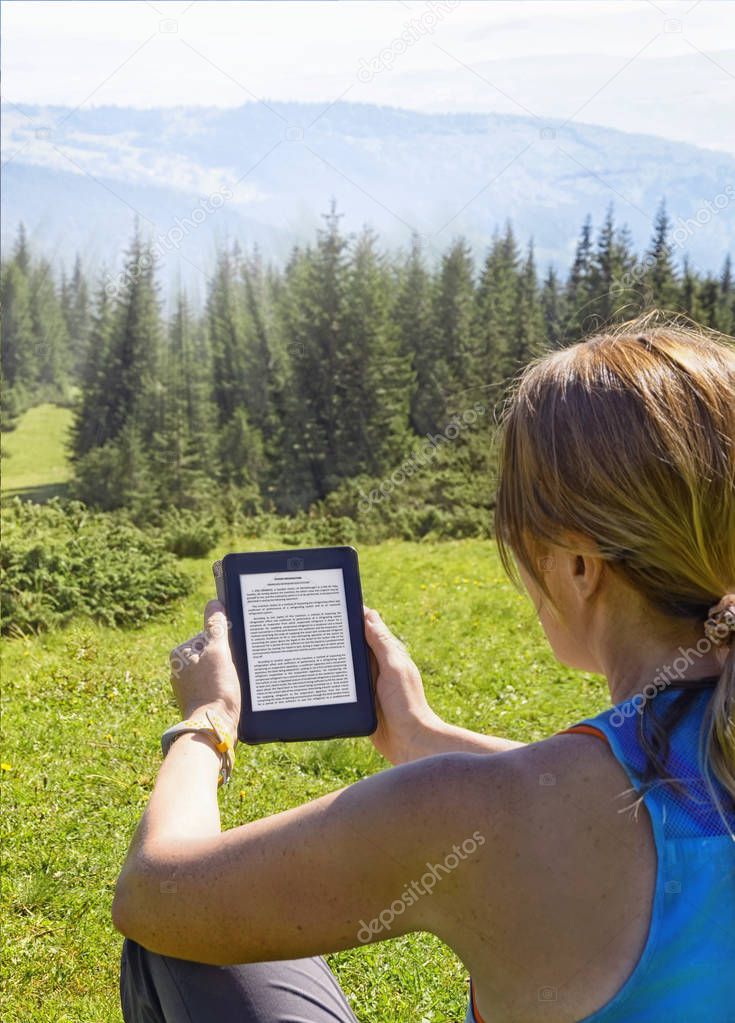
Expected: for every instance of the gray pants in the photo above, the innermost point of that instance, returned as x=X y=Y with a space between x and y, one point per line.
x=159 y=989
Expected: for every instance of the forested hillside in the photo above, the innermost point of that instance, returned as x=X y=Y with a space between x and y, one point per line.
x=317 y=379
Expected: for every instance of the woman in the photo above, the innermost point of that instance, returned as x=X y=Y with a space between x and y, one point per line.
x=590 y=876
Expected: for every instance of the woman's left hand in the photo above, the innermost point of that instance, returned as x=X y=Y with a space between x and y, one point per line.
x=202 y=673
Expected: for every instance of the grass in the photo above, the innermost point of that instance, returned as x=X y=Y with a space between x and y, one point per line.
x=35 y=462
x=83 y=709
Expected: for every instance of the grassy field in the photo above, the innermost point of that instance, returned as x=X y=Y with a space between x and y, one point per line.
x=34 y=453
x=83 y=709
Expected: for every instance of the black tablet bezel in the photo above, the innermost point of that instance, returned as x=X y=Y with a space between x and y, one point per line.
x=301 y=723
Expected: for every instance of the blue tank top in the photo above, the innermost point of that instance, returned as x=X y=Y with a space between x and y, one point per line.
x=686 y=972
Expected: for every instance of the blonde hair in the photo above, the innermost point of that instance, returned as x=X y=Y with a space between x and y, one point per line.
x=628 y=439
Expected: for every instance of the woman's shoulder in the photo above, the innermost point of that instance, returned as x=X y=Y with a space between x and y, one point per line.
x=569 y=870
x=573 y=778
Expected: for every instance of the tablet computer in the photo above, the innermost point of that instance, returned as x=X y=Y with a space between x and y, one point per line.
x=298 y=643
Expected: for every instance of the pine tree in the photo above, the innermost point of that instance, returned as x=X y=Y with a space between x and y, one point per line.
x=226 y=333
x=455 y=321
x=578 y=291
x=312 y=330
x=660 y=278
x=709 y=300
x=132 y=381
x=726 y=299
x=50 y=336
x=184 y=448
x=75 y=305
x=528 y=339
x=496 y=309
x=611 y=277
x=414 y=317
x=552 y=306
x=21 y=251
x=689 y=301
x=19 y=357
x=264 y=364
x=90 y=428
x=630 y=297
x=373 y=377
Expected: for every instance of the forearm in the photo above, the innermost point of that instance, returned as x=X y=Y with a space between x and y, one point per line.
x=183 y=803
x=441 y=737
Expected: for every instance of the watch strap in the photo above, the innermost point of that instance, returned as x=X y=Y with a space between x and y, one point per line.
x=214 y=728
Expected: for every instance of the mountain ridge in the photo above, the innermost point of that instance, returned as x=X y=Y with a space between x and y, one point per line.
x=399 y=170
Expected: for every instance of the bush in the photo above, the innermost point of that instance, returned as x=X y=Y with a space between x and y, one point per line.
x=451 y=496
x=188 y=535
x=60 y=559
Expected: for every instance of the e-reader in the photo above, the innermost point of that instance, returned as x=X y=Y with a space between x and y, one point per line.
x=297 y=638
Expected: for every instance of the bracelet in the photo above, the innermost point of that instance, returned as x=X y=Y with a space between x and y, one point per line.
x=214 y=729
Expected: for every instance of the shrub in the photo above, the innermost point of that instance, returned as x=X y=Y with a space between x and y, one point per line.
x=188 y=535
x=60 y=559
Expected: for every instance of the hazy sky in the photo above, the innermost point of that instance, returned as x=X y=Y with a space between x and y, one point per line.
x=661 y=66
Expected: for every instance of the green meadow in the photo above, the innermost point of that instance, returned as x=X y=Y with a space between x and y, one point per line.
x=83 y=707
x=35 y=455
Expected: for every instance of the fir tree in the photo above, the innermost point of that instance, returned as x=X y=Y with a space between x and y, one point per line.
x=90 y=428
x=455 y=321
x=552 y=306
x=414 y=317
x=496 y=308
x=75 y=305
x=660 y=277
x=579 y=287
x=313 y=330
x=50 y=336
x=373 y=376
x=226 y=333
x=21 y=251
x=689 y=300
x=132 y=371
x=185 y=445
x=726 y=299
x=611 y=277
x=528 y=340
x=19 y=357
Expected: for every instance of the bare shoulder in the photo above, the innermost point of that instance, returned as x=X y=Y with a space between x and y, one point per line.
x=565 y=875
x=562 y=800
x=565 y=775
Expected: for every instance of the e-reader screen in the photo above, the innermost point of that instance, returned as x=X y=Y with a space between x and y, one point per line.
x=297 y=639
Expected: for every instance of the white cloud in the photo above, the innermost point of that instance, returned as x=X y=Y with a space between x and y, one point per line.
x=170 y=52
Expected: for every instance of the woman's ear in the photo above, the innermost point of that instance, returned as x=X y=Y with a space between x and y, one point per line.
x=587 y=573
x=584 y=566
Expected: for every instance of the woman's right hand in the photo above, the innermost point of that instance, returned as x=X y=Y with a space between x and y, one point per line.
x=404 y=715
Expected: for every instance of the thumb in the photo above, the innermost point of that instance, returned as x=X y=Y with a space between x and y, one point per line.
x=381 y=640
x=215 y=620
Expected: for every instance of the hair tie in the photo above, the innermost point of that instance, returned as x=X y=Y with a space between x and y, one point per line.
x=720 y=626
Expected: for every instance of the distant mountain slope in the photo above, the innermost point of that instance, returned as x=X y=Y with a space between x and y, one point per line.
x=78 y=178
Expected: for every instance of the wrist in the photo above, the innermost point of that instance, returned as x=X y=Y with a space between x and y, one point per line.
x=223 y=711
x=426 y=737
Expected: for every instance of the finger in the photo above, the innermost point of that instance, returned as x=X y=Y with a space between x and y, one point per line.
x=386 y=647
x=215 y=620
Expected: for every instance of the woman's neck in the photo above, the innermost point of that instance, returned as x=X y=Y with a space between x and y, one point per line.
x=662 y=665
